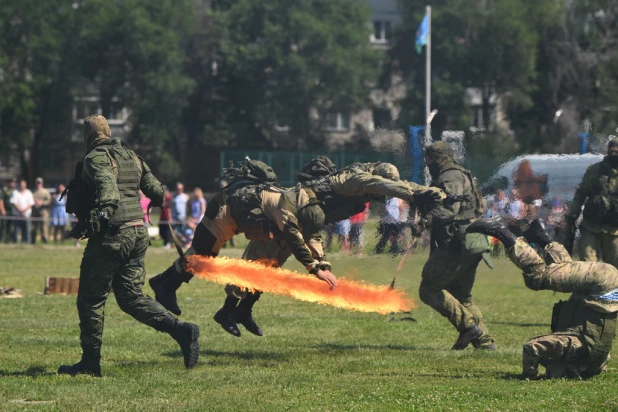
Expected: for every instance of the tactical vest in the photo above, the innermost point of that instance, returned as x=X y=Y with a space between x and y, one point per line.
x=472 y=207
x=601 y=207
x=598 y=329
x=246 y=210
x=128 y=177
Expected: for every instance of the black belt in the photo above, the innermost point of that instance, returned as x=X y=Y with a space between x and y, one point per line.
x=464 y=222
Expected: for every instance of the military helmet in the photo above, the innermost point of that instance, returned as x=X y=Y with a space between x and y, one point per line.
x=316 y=168
x=261 y=171
x=95 y=128
x=387 y=171
x=439 y=149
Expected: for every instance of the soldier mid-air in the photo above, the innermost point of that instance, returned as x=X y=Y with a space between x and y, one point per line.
x=583 y=327
x=254 y=205
x=339 y=194
x=104 y=197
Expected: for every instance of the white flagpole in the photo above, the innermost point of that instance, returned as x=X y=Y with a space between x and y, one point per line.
x=428 y=78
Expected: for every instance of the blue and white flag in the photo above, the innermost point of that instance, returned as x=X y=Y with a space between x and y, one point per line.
x=422 y=33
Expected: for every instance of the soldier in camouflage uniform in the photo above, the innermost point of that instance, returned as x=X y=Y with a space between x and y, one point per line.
x=260 y=211
x=583 y=327
x=341 y=195
x=104 y=197
x=450 y=271
x=598 y=193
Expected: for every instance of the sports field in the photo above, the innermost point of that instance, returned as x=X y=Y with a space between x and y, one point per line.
x=311 y=357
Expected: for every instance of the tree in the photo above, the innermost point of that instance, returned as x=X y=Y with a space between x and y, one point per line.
x=487 y=45
x=37 y=67
x=279 y=61
x=132 y=51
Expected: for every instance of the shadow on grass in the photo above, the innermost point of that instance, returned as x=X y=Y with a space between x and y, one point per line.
x=509 y=376
x=233 y=354
x=523 y=325
x=32 y=372
x=338 y=346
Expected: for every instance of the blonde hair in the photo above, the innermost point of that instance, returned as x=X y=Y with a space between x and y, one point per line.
x=197 y=192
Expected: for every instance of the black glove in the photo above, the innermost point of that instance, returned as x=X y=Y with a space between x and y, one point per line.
x=426 y=199
x=81 y=230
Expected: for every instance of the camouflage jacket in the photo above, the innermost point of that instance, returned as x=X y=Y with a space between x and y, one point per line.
x=99 y=174
x=345 y=193
x=598 y=192
x=448 y=221
x=265 y=211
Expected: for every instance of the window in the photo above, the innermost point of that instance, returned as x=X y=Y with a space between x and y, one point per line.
x=381 y=31
x=478 y=123
x=381 y=118
x=337 y=122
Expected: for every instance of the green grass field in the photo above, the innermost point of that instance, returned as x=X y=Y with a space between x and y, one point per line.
x=312 y=357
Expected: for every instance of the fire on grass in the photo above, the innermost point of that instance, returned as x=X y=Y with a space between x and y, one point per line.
x=253 y=276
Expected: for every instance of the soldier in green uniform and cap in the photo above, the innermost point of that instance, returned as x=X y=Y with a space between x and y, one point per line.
x=449 y=274
x=260 y=211
x=339 y=195
x=598 y=193
x=583 y=327
x=104 y=197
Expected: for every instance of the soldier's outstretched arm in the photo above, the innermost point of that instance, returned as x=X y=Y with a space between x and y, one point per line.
x=98 y=174
x=362 y=183
x=150 y=185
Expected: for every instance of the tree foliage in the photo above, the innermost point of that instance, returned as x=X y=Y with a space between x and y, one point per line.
x=279 y=60
x=535 y=57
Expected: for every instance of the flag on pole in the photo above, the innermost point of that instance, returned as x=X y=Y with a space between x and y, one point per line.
x=421 y=34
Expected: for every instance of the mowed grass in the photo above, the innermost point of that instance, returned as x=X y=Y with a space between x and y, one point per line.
x=312 y=357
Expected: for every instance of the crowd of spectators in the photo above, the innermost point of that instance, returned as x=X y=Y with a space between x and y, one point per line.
x=29 y=216
x=517 y=212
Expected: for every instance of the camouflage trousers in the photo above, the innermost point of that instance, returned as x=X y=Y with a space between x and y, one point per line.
x=561 y=354
x=560 y=274
x=446 y=286
x=594 y=247
x=272 y=252
x=115 y=261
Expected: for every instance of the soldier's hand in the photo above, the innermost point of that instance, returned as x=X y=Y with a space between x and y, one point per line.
x=428 y=198
x=328 y=277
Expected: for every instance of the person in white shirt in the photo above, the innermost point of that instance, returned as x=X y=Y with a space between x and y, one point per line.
x=388 y=228
x=517 y=207
x=22 y=201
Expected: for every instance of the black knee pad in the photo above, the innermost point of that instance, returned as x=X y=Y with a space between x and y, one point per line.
x=203 y=241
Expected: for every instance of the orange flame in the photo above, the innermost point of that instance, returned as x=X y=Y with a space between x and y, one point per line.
x=256 y=276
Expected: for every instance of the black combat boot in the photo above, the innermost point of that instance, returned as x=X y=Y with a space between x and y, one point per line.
x=89 y=365
x=165 y=286
x=537 y=233
x=187 y=335
x=496 y=227
x=466 y=336
x=244 y=316
x=225 y=316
